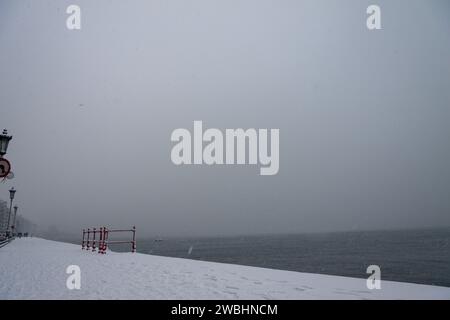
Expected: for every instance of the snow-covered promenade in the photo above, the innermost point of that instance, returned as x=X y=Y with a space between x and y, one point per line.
x=33 y=268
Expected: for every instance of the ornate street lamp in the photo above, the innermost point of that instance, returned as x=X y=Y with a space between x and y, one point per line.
x=4 y=141
x=12 y=192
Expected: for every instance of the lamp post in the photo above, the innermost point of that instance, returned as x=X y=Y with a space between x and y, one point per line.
x=12 y=192
x=13 y=227
x=4 y=141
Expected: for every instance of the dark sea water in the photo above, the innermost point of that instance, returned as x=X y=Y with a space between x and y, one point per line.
x=417 y=256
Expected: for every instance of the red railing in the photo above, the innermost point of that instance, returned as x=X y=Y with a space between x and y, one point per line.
x=102 y=241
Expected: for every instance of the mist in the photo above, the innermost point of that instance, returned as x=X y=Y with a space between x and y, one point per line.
x=363 y=115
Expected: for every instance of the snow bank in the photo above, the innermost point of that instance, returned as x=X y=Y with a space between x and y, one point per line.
x=33 y=268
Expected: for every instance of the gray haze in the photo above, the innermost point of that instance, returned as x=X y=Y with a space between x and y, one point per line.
x=363 y=115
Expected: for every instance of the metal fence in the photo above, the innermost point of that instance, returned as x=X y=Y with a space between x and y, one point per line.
x=5 y=241
x=98 y=238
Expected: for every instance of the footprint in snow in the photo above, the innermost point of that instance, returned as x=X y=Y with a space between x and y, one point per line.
x=233 y=288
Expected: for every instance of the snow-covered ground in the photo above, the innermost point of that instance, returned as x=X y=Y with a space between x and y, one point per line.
x=36 y=269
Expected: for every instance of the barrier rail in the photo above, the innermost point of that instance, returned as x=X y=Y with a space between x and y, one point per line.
x=5 y=241
x=89 y=240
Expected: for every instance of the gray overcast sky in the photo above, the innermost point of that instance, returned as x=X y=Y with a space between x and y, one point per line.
x=363 y=115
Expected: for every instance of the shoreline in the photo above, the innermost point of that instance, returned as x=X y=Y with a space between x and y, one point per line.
x=36 y=269
x=404 y=256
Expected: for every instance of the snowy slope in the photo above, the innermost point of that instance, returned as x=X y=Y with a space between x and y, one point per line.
x=36 y=269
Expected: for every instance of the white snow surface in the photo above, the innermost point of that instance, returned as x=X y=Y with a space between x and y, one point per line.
x=33 y=268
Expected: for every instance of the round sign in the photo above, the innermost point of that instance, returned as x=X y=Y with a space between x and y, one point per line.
x=5 y=167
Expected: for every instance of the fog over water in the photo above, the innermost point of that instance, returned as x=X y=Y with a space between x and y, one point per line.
x=363 y=115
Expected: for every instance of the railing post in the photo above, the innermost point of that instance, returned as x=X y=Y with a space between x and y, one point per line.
x=105 y=239
x=133 y=245
x=93 y=241
x=100 y=243
x=87 y=240
x=82 y=241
